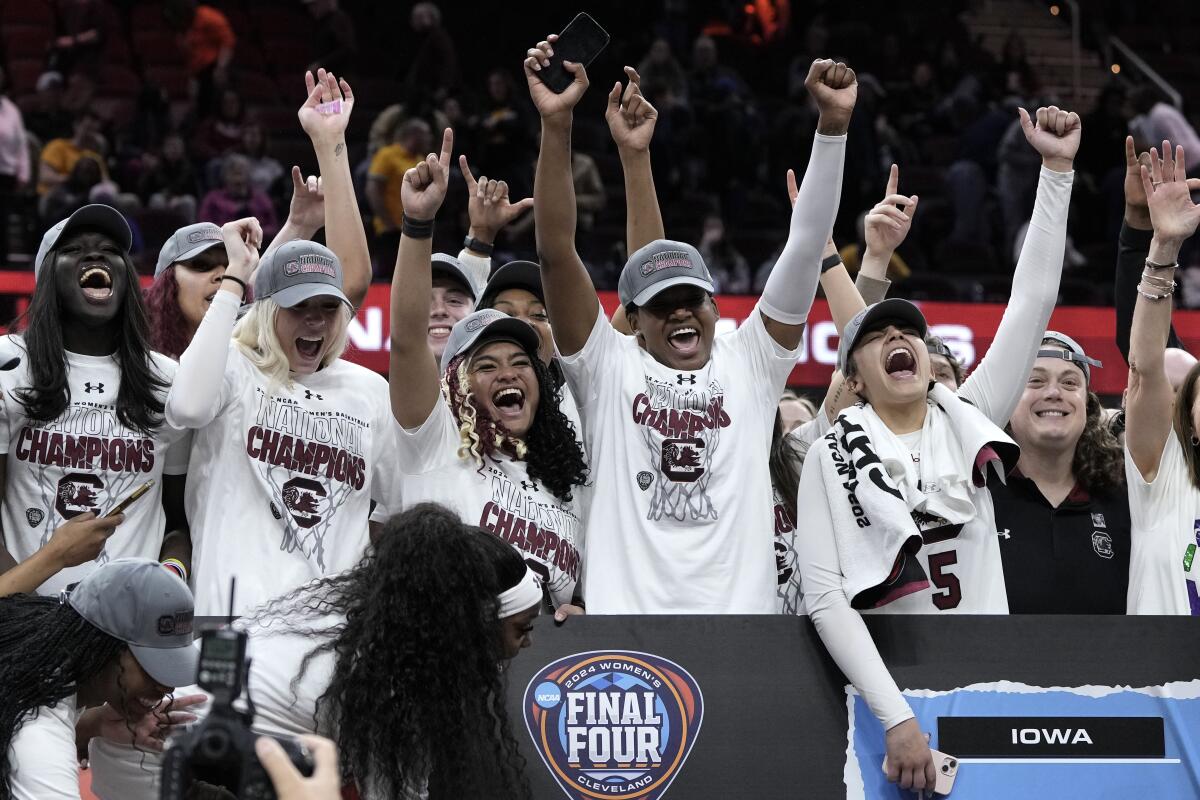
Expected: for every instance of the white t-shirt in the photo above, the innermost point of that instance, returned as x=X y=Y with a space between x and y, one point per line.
x=789 y=597
x=1165 y=527
x=499 y=497
x=680 y=469
x=280 y=485
x=85 y=460
x=45 y=765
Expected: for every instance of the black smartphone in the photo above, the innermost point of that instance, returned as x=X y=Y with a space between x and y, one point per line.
x=581 y=42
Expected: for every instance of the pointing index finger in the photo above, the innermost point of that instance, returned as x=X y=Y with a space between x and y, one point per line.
x=466 y=172
x=893 y=180
x=447 y=148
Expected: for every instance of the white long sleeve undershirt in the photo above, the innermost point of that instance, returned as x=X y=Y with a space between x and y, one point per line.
x=196 y=393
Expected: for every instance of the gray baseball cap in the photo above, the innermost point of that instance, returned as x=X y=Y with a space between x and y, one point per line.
x=298 y=270
x=149 y=608
x=450 y=267
x=101 y=217
x=894 y=309
x=1073 y=353
x=488 y=325
x=660 y=265
x=187 y=243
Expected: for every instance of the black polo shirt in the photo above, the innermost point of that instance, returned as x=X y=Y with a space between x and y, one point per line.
x=1073 y=559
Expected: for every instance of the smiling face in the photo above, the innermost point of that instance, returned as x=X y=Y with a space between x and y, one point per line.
x=891 y=365
x=523 y=304
x=307 y=331
x=450 y=303
x=504 y=385
x=677 y=326
x=516 y=631
x=1052 y=411
x=126 y=687
x=197 y=282
x=90 y=275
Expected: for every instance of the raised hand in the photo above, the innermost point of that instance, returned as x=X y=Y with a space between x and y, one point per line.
x=424 y=186
x=835 y=89
x=549 y=104
x=149 y=730
x=1054 y=134
x=793 y=189
x=630 y=116
x=1137 y=213
x=326 y=112
x=326 y=780
x=307 y=210
x=81 y=539
x=1165 y=183
x=889 y=221
x=488 y=204
x=243 y=238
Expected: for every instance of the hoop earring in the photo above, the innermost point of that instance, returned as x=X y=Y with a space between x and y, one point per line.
x=1195 y=440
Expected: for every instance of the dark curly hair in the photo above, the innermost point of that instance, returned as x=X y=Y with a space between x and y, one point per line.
x=417 y=692
x=1099 y=462
x=46 y=652
x=551 y=450
x=169 y=332
x=139 y=405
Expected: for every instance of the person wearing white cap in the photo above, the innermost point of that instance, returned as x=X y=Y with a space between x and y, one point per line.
x=81 y=417
x=1063 y=513
x=97 y=660
x=292 y=443
x=897 y=516
x=433 y=585
x=483 y=432
x=678 y=421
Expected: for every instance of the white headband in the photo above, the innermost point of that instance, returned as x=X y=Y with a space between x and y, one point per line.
x=527 y=593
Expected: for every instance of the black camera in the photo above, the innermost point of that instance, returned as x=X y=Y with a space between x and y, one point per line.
x=219 y=750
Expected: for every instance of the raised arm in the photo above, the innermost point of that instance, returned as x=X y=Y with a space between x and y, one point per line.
x=195 y=396
x=489 y=209
x=1174 y=216
x=792 y=284
x=413 y=374
x=570 y=295
x=324 y=117
x=306 y=212
x=1133 y=245
x=996 y=385
x=631 y=121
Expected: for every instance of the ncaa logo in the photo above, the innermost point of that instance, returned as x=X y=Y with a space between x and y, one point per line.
x=613 y=723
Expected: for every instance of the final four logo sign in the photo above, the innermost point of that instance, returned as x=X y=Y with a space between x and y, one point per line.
x=613 y=723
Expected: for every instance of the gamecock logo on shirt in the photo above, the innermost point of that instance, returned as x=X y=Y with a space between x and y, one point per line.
x=302 y=497
x=77 y=494
x=613 y=724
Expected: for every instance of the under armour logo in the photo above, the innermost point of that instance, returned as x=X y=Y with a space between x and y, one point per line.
x=89 y=387
x=529 y=485
x=1004 y=534
x=310 y=395
x=680 y=379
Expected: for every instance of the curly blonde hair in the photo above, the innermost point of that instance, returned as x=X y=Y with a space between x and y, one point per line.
x=478 y=436
x=255 y=336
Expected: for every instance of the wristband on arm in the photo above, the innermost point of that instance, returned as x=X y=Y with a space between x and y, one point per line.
x=176 y=566
x=417 y=228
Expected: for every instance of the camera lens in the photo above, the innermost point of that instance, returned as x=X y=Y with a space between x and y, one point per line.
x=214 y=745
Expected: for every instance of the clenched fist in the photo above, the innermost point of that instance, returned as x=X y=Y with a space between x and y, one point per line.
x=835 y=89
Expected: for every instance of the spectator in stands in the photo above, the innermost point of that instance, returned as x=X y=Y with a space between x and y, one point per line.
x=505 y=143
x=46 y=118
x=78 y=36
x=236 y=198
x=729 y=268
x=15 y=170
x=168 y=180
x=795 y=410
x=265 y=171
x=434 y=65
x=208 y=42
x=663 y=78
x=1157 y=120
x=80 y=93
x=720 y=99
x=412 y=141
x=589 y=189
x=334 y=40
x=222 y=132
x=59 y=155
x=73 y=193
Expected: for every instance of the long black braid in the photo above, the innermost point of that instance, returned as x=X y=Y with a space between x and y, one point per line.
x=417 y=692
x=46 y=651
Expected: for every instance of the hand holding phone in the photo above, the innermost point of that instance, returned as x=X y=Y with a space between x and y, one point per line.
x=130 y=500
x=945 y=768
x=581 y=41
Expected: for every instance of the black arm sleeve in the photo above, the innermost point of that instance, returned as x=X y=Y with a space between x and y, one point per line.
x=1132 y=249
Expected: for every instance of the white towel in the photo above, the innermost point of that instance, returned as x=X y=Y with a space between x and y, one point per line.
x=876 y=488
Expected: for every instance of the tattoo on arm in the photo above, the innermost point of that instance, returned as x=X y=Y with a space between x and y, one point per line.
x=337 y=151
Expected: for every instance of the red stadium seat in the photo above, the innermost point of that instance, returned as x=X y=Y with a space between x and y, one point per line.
x=26 y=41
x=27 y=12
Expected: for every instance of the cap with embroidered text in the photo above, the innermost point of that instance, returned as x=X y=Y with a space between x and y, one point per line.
x=489 y=325
x=659 y=266
x=187 y=243
x=298 y=271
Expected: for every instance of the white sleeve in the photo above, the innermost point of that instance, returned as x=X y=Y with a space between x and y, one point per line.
x=430 y=445
x=770 y=361
x=385 y=460
x=792 y=284
x=200 y=390
x=596 y=358
x=996 y=385
x=43 y=756
x=841 y=627
x=479 y=267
